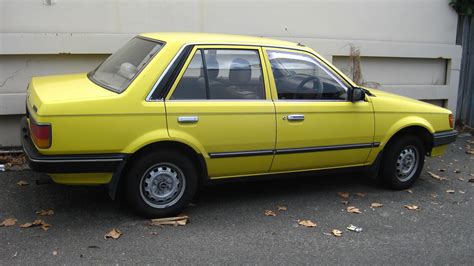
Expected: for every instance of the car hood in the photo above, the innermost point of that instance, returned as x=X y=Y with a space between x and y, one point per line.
x=62 y=89
x=388 y=102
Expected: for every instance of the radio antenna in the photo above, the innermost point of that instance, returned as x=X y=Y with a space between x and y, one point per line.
x=293 y=37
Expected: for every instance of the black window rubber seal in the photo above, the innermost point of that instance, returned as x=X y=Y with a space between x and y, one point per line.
x=167 y=82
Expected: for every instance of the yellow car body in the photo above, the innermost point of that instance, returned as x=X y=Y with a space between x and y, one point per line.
x=92 y=126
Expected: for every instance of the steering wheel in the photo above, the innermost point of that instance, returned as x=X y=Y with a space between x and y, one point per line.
x=317 y=90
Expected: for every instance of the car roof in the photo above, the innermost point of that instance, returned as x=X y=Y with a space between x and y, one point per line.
x=212 y=38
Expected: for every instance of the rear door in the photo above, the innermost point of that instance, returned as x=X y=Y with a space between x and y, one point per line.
x=221 y=102
x=317 y=127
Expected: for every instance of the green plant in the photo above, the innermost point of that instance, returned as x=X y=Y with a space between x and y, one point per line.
x=463 y=7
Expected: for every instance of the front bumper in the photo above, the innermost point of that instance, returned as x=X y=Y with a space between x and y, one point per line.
x=445 y=137
x=80 y=163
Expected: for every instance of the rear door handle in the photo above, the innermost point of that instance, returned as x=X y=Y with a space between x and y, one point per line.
x=296 y=117
x=188 y=119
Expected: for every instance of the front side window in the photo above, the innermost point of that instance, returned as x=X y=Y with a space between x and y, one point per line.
x=299 y=76
x=220 y=74
x=119 y=69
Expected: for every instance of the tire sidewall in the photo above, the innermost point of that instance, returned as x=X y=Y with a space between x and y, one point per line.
x=143 y=164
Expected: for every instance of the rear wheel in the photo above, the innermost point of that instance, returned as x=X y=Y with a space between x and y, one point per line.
x=402 y=162
x=161 y=184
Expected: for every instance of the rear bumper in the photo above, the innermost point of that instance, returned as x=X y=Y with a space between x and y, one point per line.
x=80 y=163
x=445 y=137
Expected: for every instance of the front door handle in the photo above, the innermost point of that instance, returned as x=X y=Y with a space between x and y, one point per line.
x=187 y=119
x=296 y=117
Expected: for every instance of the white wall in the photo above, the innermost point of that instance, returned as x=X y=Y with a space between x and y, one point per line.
x=408 y=46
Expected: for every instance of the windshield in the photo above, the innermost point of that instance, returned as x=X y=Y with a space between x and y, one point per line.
x=119 y=69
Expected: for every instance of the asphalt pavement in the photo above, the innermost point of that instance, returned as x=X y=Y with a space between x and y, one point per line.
x=228 y=225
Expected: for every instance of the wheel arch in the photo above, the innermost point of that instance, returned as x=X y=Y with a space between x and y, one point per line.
x=418 y=130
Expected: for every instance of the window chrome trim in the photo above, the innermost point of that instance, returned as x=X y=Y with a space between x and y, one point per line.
x=180 y=51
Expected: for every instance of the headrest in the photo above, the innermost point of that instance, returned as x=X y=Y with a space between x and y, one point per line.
x=240 y=71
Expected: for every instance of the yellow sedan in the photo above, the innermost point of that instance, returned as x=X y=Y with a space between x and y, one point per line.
x=168 y=112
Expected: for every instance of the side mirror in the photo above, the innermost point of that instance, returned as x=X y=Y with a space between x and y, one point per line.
x=357 y=94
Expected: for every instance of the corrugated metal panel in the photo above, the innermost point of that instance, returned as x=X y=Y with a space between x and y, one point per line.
x=465 y=108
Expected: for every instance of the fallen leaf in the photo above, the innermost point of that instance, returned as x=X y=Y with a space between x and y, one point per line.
x=450 y=191
x=22 y=183
x=282 y=208
x=409 y=191
x=462 y=192
x=45 y=212
x=470 y=151
x=471 y=180
x=113 y=234
x=411 y=207
x=343 y=195
x=470 y=141
x=442 y=170
x=361 y=194
x=461 y=179
x=336 y=232
x=270 y=213
x=435 y=176
x=178 y=220
x=376 y=205
x=55 y=253
x=8 y=222
x=37 y=222
x=352 y=209
x=307 y=223
x=154 y=233
x=457 y=171
x=345 y=202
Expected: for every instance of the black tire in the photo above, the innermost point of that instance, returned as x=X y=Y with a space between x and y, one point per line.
x=395 y=170
x=152 y=174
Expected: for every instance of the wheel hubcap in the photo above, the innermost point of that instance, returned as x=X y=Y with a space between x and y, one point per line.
x=407 y=163
x=162 y=185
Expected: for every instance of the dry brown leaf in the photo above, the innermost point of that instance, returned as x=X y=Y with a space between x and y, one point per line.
x=435 y=176
x=442 y=170
x=343 y=195
x=461 y=179
x=457 y=171
x=270 y=213
x=470 y=151
x=336 y=232
x=37 y=222
x=409 y=191
x=45 y=212
x=411 y=207
x=352 y=209
x=471 y=180
x=113 y=234
x=361 y=194
x=178 y=220
x=282 y=208
x=376 y=205
x=307 y=223
x=345 y=202
x=8 y=222
x=450 y=191
x=22 y=183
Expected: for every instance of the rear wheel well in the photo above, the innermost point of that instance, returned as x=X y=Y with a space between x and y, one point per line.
x=425 y=136
x=197 y=159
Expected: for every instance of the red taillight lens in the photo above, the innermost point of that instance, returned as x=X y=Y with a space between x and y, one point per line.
x=451 y=120
x=41 y=134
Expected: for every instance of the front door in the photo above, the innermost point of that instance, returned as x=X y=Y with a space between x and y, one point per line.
x=221 y=102
x=317 y=127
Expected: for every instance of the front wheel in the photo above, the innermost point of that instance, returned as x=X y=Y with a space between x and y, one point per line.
x=161 y=184
x=402 y=162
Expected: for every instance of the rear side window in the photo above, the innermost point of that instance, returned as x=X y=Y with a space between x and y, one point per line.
x=222 y=74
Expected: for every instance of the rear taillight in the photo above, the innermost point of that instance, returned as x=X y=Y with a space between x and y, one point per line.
x=40 y=134
x=451 y=120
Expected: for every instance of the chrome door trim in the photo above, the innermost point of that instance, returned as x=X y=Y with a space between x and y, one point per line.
x=188 y=119
x=296 y=117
